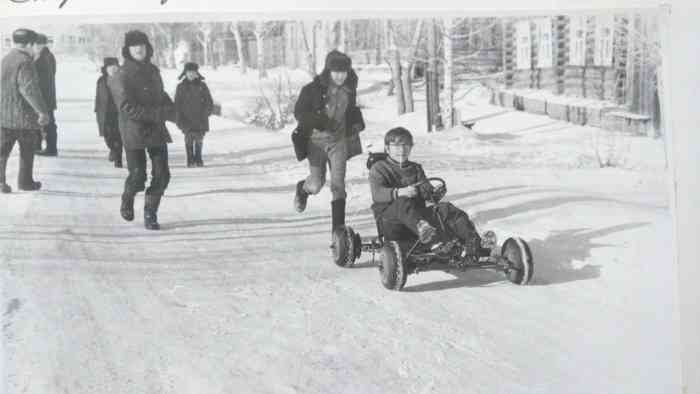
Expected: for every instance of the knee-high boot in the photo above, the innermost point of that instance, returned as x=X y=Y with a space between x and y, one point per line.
x=198 y=154
x=337 y=213
x=150 y=211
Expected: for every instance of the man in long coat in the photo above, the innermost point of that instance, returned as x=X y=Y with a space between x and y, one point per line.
x=23 y=110
x=46 y=69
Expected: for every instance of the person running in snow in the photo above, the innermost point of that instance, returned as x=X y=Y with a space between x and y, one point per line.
x=329 y=127
x=107 y=113
x=46 y=70
x=137 y=89
x=399 y=203
x=23 y=111
x=193 y=106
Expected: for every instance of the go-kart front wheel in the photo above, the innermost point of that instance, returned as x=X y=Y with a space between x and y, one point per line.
x=519 y=257
x=392 y=267
x=346 y=246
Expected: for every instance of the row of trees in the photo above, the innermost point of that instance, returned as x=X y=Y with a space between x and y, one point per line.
x=411 y=48
x=432 y=53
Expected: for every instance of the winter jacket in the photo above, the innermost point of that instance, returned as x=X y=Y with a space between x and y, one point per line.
x=106 y=110
x=386 y=176
x=137 y=90
x=310 y=113
x=193 y=105
x=20 y=99
x=46 y=69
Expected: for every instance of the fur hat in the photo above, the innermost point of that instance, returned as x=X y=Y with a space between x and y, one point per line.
x=24 y=36
x=338 y=61
x=190 y=66
x=134 y=38
x=109 y=61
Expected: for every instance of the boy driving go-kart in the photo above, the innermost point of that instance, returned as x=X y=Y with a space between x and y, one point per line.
x=416 y=231
x=400 y=190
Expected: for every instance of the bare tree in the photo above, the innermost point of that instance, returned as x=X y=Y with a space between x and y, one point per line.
x=236 y=30
x=262 y=29
x=402 y=48
x=395 y=64
x=309 y=41
x=433 y=85
x=380 y=37
x=448 y=25
x=169 y=37
x=342 y=38
x=205 y=32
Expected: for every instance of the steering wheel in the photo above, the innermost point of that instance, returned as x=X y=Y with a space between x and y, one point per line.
x=432 y=189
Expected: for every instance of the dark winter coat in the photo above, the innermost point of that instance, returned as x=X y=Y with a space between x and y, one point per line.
x=46 y=68
x=193 y=105
x=386 y=176
x=21 y=100
x=310 y=113
x=106 y=110
x=137 y=89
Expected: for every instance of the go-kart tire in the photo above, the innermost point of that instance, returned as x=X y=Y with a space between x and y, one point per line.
x=345 y=246
x=518 y=254
x=392 y=267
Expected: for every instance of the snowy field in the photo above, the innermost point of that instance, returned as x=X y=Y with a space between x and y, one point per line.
x=238 y=294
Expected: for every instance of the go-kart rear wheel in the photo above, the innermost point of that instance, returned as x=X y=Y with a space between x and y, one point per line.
x=345 y=246
x=519 y=257
x=392 y=267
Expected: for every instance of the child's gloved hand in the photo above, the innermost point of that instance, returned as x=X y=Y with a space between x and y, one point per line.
x=408 y=191
x=425 y=191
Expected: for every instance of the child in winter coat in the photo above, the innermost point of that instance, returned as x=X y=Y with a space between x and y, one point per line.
x=399 y=203
x=193 y=106
x=107 y=112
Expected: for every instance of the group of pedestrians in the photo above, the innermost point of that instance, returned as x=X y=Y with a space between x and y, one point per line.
x=132 y=106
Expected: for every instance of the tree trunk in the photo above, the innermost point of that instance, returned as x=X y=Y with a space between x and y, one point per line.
x=449 y=65
x=380 y=26
x=322 y=44
x=342 y=37
x=406 y=81
x=396 y=71
x=173 y=46
x=309 y=46
x=156 y=59
x=433 y=100
x=407 y=71
x=204 y=40
x=242 y=63
x=260 y=45
x=289 y=52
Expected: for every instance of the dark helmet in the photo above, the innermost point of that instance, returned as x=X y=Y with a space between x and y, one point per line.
x=398 y=135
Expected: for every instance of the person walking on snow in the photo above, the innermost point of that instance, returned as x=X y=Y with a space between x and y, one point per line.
x=143 y=105
x=193 y=106
x=329 y=123
x=46 y=70
x=107 y=113
x=23 y=111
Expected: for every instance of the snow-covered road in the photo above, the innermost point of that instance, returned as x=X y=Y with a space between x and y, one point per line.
x=237 y=293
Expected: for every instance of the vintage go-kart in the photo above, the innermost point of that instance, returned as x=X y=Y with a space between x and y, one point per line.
x=401 y=257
